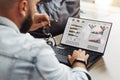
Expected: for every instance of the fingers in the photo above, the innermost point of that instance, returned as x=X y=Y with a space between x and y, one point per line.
x=46 y=19
x=42 y=18
x=87 y=56
x=78 y=54
x=42 y=24
x=69 y=57
x=83 y=53
x=39 y=21
x=38 y=25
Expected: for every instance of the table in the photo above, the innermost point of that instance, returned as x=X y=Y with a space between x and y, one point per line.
x=108 y=67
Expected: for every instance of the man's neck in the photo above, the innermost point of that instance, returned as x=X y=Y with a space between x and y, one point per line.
x=12 y=18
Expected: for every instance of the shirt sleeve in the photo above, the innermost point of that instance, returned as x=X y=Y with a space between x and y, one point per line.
x=50 y=68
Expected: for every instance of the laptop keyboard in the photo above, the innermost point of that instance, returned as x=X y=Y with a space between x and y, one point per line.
x=62 y=53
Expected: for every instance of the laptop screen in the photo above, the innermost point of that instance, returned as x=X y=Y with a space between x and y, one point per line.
x=87 y=34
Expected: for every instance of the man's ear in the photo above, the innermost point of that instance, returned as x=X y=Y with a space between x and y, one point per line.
x=23 y=7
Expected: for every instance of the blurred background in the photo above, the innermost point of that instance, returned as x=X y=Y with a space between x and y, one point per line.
x=99 y=9
x=115 y=3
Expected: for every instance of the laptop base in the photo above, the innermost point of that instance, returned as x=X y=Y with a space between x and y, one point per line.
x=63 y=52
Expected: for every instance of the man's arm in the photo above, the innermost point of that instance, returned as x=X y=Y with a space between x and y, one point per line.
x=51 y=69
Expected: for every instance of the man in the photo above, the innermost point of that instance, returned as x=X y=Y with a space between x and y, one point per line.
x=23 y=57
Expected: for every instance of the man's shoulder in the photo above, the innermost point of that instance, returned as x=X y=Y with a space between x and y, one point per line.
x=30 y=39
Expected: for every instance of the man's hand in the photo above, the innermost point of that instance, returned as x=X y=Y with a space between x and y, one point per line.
x=39 y=21
x=78 y=54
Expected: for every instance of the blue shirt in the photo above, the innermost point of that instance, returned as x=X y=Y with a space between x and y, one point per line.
x=12 y=42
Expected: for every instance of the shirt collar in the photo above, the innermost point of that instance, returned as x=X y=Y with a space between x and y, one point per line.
x=8 y=23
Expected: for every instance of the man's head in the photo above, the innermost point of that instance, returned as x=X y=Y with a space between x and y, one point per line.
x=19 y=11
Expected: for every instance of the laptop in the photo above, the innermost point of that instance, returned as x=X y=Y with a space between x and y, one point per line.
x=86 y=34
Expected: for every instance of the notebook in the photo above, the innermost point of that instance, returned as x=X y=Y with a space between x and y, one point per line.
x=86 y=34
